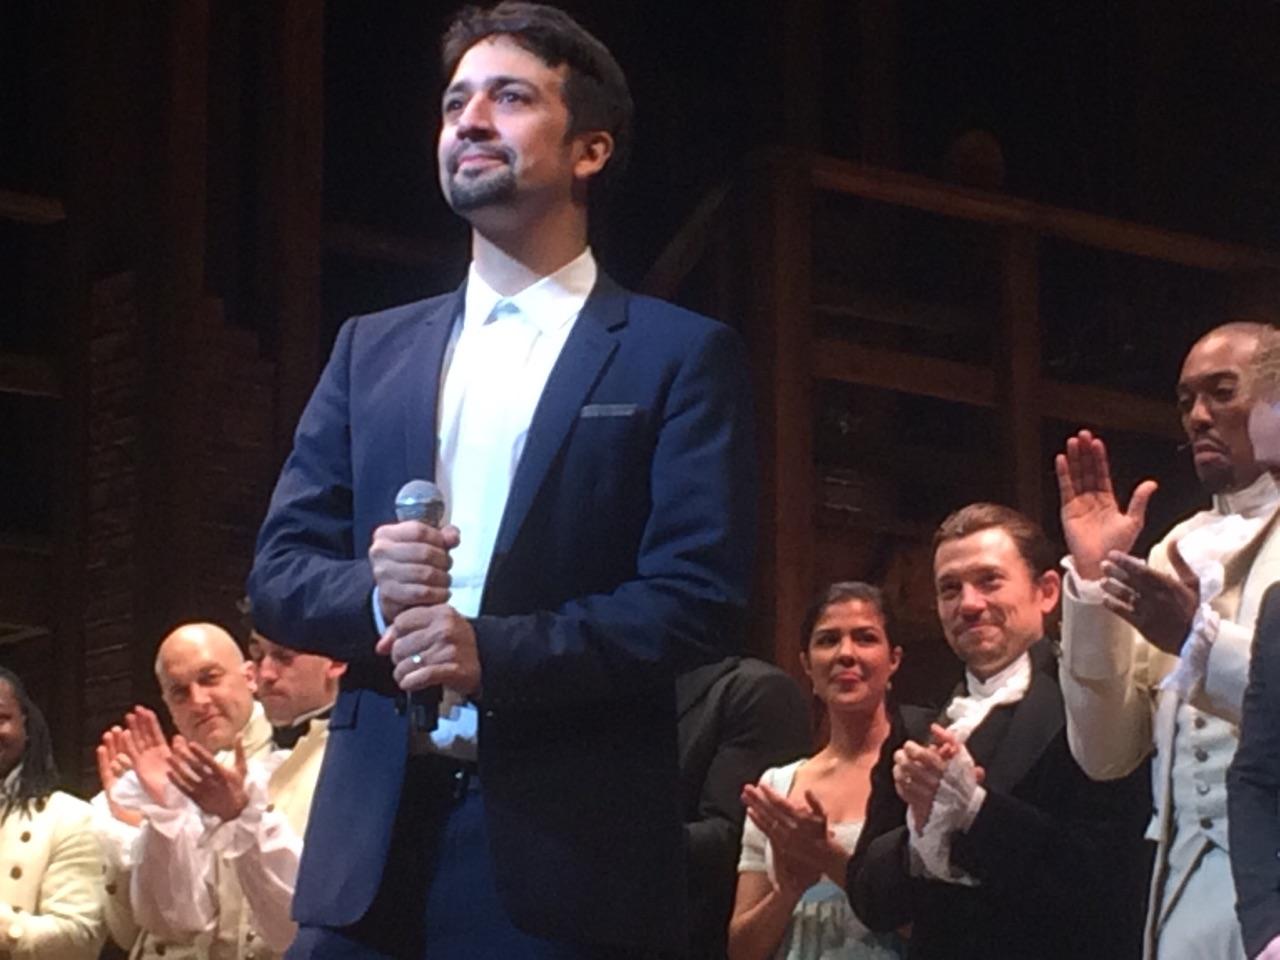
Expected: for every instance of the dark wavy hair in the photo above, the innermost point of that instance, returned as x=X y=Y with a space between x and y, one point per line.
x=595 y=91
x=38 y=777
x=845 y=592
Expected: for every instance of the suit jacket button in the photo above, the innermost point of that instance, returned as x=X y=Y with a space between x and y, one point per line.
x=16 y=873
x=1206 y=823
x=111 y=889
x=1201 y=754
x=26 y=836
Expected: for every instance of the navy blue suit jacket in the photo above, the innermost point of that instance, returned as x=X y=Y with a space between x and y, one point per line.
x=623 y=557
x=1253 y=788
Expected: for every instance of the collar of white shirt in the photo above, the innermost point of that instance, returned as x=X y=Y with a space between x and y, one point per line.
x=549 y=303
x=1258 y=498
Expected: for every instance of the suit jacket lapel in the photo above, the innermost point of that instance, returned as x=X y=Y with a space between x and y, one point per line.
x=423 y=396
x=589 y=346
x=1037 y=719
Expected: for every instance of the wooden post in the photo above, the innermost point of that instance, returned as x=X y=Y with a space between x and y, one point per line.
x=1018 y=376
x=291 y=128
x=779 y=327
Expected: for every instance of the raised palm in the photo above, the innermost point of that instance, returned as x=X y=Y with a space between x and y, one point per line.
x=1093 y=521
x=148 y=751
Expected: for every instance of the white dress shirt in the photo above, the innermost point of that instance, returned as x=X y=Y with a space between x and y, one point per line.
x=500 y=356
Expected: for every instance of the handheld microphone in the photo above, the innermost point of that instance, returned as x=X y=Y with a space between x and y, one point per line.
x=422 y=500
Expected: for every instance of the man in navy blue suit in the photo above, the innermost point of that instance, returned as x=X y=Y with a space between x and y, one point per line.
x=594 y=451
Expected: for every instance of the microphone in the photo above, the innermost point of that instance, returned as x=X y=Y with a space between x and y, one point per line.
x=422 y=500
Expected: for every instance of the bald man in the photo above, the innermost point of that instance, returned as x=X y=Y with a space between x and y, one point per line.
x=219 y=854
x=1156 y=652
x=207 y=687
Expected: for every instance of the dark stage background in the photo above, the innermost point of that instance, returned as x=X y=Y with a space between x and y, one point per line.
x=952 y=233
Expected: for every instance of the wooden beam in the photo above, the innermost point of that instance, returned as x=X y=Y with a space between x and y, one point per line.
x=686 y=247
x=31 y=208
x=847 y=362
x=1105 y=233
x=29 y=376
x=1101 y=407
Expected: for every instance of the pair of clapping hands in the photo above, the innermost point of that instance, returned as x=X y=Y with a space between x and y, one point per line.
x=804 y=847
x=429 y=642
x=140 y=745
x=1100 y=535
x=919 y=770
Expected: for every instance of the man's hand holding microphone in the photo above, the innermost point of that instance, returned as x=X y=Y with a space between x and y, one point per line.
x=429 y=642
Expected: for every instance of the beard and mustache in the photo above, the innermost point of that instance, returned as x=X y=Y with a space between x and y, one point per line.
x=470 y=190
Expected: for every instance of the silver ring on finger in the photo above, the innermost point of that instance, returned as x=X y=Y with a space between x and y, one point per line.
x=416 y=659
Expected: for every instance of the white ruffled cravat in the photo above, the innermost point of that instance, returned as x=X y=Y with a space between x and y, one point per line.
x=960 y=796
x=1205 y=549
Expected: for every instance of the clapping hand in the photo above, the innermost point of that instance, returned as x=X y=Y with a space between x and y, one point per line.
x=113 y=762
x=918 y=771
x=1161 y=607
x=216 y=789
x=148 y=751
x=803 y=846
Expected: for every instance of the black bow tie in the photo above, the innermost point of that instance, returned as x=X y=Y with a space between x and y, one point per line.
x=287 y=737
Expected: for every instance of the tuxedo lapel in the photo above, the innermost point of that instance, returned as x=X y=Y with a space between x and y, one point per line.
x=585 y=353
x=422 y=398
x=1036 y=719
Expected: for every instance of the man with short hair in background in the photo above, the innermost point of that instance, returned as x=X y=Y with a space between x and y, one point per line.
x=982 y=832
x=224 y=814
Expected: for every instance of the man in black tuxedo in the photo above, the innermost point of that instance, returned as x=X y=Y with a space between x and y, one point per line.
x=982 y=833
x=737 y=717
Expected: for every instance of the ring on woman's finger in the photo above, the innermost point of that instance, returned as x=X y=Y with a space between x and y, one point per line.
x=416 y=659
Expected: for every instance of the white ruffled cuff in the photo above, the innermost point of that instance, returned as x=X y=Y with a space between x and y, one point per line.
x=168 y=818
x=115 y=838
x=1193 y=659
x=956 y=804
x=1085 y=591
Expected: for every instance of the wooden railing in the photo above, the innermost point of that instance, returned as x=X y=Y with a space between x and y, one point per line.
x=754 y=234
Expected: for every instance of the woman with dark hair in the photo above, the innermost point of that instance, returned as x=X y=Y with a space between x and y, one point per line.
x=50 y=864
x=788 y=906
